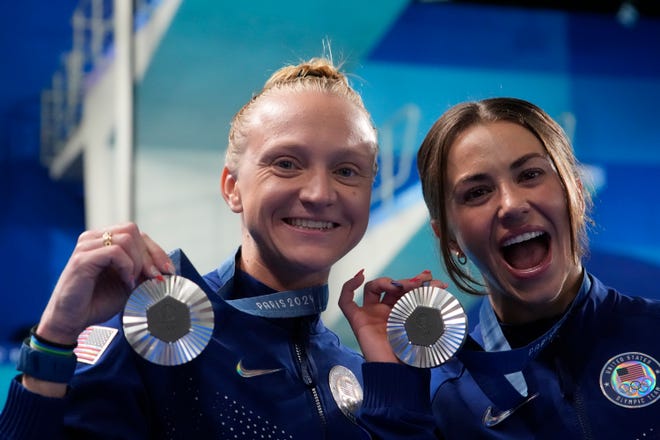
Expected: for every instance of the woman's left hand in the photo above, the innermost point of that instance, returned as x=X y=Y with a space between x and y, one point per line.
x=369 y=321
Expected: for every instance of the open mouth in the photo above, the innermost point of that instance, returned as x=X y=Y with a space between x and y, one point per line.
x=526 y=251
x=317 y=225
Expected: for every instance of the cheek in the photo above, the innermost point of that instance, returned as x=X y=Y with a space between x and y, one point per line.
x=560 y=216
x=554 y=206
x=360 y=203
x=261 y=199
x=473 y=231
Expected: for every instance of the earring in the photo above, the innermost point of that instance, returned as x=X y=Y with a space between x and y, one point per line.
x=461 y=258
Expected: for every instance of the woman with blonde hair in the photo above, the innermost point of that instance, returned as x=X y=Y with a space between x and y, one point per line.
x=299 y=170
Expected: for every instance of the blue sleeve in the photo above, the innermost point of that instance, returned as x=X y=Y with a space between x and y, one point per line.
x=108 y=399
x=27 y=415
x=105 y=400
x=397 y=402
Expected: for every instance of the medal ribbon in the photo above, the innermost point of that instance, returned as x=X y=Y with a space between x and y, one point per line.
x=498 y=371
x=288 y=304
x=494 y=340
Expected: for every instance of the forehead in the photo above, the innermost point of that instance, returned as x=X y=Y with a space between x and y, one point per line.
x=484 y=146
x=308 y=118
x=284 y=108
x=310 y=113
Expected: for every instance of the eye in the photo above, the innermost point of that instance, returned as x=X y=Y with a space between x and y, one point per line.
x=346 y=172
x=286 y=164
x=530 y=174
x=476 y=194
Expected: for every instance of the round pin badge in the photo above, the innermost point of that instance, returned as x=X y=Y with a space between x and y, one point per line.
x=630 y=380
x=426 y=327
x=346 y=390
x=168 y=321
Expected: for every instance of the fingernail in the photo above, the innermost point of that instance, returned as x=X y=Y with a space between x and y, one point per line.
x=396 y=283
x=359 y=273
x=155 y=273
x=169 y=268
x=426 y=271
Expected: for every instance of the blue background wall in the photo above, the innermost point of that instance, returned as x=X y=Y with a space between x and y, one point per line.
x=600 y=79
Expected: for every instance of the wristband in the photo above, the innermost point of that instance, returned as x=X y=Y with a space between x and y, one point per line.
x=45 y=342
x=45 y=365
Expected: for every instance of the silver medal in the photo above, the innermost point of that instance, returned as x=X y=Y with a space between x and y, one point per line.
x=426 y=327
x=346 y=390
x=169 y=321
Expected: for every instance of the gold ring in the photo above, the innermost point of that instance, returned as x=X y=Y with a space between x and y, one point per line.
x=107 y=238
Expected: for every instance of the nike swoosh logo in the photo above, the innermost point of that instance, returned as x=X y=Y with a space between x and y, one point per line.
x=244 y=372
x=491 y=419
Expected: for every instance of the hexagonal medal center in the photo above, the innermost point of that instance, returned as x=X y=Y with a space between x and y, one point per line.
x=424 y=326
x=168 y=319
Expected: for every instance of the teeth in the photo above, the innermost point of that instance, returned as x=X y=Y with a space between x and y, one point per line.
x=523 y=237
x=310 y=224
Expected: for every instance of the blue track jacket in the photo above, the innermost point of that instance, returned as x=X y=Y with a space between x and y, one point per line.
x=123 y=396
x=598 y=378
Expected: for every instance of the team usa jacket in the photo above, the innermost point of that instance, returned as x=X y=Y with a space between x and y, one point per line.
x=597 y=377
x=258 y=378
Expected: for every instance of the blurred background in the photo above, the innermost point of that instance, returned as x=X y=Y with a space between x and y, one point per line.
x=119 y=110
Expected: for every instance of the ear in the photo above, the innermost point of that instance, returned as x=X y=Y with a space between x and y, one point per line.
x=230 y=191
x=455 y=248
x=436 y=228
x=453 y=245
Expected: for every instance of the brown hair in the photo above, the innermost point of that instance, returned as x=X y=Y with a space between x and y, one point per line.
x=432 y=168
x=316 y=74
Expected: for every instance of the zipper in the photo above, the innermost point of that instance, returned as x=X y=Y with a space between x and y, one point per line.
x=572 y=392
x=585 y=427
x=309 y=381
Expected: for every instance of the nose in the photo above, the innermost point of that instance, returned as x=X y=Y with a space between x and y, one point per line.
x=514 y=206
x=318 y=187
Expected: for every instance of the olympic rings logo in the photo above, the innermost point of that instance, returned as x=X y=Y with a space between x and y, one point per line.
x=636 y=388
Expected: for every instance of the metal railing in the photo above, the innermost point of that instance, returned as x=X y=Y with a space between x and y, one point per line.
x=90 y=56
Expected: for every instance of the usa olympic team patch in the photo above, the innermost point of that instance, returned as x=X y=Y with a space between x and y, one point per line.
x=630 y=380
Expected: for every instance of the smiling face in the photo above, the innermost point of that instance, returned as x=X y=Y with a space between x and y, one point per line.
x=507 y=211
x=302 y=186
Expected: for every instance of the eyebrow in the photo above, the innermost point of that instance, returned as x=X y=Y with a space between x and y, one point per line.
x=527 y=157
x=363 y=151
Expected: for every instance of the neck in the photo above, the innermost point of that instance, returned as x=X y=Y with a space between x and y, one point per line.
x=285 y=278
x=514 y=311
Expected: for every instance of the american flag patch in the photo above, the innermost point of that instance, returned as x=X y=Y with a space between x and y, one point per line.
x=630 y=373
x=92 y=342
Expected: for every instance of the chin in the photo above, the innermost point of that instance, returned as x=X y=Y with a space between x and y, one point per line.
x=317 y=263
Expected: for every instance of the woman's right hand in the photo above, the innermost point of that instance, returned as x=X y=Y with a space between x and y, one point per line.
x=98 y=278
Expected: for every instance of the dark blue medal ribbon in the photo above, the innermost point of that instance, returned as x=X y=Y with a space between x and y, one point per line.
x=186 y=269
x=499 y=371
x=288 y=304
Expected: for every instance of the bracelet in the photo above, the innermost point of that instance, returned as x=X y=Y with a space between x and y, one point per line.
x=46 y=365
x=34 y=343
x=45 y=343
